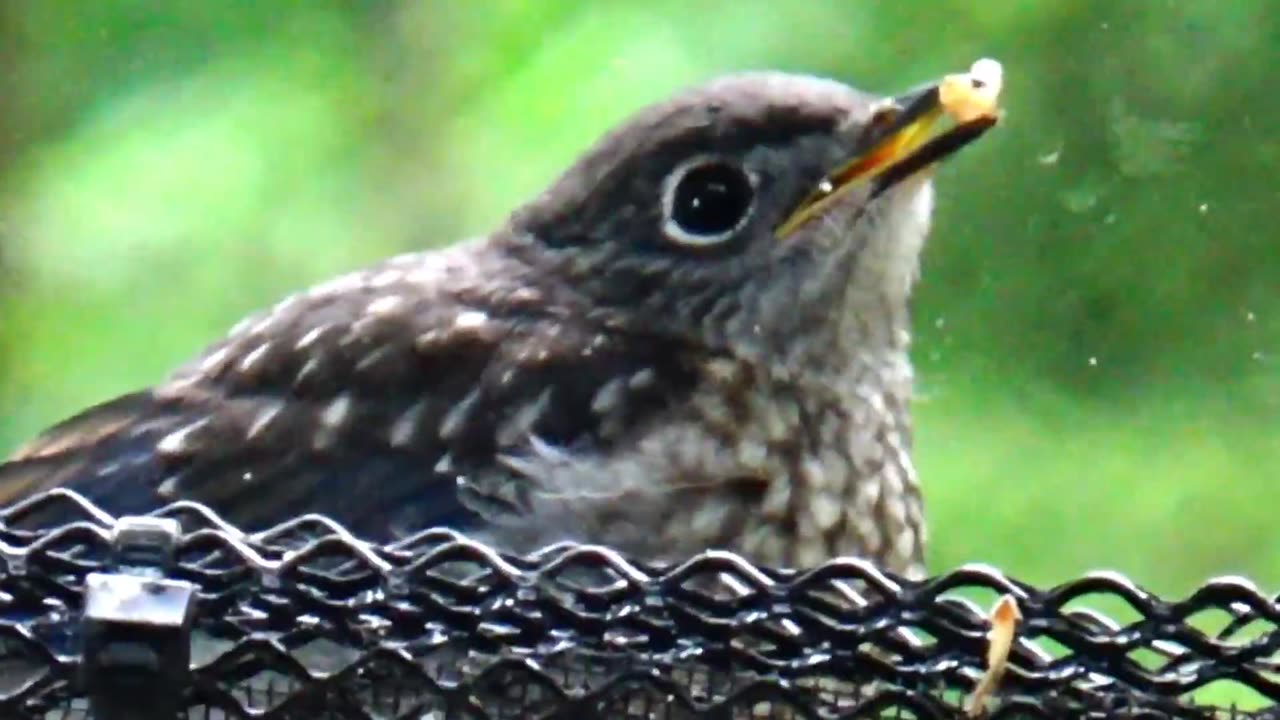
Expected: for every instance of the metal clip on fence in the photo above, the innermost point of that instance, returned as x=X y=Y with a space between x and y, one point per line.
x=137 y=626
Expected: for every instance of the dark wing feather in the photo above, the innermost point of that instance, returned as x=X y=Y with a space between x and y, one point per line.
x=107 y=442
x=370 y=400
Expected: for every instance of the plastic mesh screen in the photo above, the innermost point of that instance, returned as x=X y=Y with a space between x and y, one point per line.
x=306 y=621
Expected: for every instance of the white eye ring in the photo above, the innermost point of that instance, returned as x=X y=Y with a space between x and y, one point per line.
x=737 y=192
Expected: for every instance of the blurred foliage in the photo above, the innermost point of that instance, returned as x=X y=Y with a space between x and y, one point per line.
x=1098 y=322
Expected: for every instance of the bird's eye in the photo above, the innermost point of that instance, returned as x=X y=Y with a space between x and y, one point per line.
x=705 y=201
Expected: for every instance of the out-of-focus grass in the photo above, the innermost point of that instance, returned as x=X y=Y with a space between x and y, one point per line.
x=1168 y=490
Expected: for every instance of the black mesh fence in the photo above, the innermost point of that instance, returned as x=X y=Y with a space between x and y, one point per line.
x=181 y=615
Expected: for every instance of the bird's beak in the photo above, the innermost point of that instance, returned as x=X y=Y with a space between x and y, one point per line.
x=908 y=134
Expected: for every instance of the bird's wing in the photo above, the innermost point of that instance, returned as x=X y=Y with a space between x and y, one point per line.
x=369 y=399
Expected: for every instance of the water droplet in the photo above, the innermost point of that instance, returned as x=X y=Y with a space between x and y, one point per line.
x=1093 y=361
x=939 y=323
x=1079 y=199
x=1051 y=157
x=825 y=187
x=1249 y=316
x=1257 y=355
x=1204 y=208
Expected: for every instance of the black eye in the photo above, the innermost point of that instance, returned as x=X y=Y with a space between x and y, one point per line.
x=706 y=201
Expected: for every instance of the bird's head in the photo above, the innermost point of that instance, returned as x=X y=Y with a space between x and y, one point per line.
x=762 y=214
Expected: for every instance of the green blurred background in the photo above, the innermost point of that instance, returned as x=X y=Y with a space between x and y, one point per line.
x=1098 y=322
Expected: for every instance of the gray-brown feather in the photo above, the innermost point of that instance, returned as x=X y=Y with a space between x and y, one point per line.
x=574 y=375
x=372 y=398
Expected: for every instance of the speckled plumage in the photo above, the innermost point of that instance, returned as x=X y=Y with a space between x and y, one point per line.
x=575 y=374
